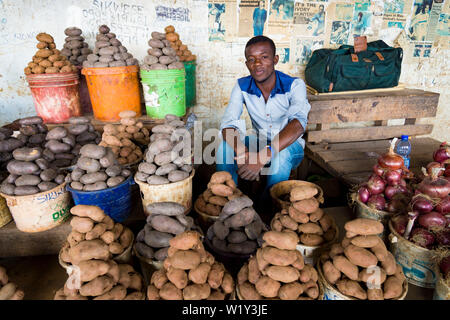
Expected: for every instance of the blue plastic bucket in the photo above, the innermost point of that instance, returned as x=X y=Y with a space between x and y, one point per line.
x=115 y=202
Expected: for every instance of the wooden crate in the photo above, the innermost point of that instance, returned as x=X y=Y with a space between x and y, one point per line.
x=349 y=153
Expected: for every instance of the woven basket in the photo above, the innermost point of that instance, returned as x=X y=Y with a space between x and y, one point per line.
x=284 y=187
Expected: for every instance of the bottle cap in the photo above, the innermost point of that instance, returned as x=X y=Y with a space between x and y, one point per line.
x=404 y=137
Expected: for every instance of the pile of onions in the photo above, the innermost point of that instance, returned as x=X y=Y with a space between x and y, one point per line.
x=386 y=189
x=429 y=220
x=444 y=266
x=441 y=160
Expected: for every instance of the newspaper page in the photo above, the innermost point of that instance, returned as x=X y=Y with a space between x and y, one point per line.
x=443 y=27
x=252 y=18
x=424 y=19
x=302 y=49
x=362 y=18
x=339 y=16
x=309 y=18
x=222 y=20
x=433 y=20
x=281 y=14
x=284 y=55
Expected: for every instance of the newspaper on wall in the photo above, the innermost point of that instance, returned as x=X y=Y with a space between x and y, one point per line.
x=309 y=18
x=253 y=15
x=281 y=15
x=221 y=20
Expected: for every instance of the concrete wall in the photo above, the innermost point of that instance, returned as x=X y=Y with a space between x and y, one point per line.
x=219 y=63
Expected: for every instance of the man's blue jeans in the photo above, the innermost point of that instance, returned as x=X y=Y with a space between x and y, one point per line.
x=280 y=166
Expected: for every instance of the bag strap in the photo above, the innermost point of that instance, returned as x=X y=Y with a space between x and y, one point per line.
x=379 y=55
x=360 y=43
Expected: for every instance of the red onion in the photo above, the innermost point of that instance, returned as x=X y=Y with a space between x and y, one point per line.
x=432 y=219
x=375 y=185
x=395 y=205
x=443 y=206
x=378 y=170
x=443 y=237
x=363 y=194
x=376 y=201
x=432 y=165
x=390 y=191
x=402 y=183
x=444 y=265
x=399 y=223
x=422 y=204
x=391 y=160
x=393 y=177
x=434 y=186
x=442 y=154
x=447 y=171
x=422 y=237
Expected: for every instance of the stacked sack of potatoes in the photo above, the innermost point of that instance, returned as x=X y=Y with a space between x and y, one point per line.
x=9 y=290
x=238 y=229
x=75 y=48
x=212 y=202
x=277 y=270
x=361 y=266
x=190 y=273
x=108 y=52
x=96 y=169
x=181 y=49
x=92 y=245
x=304 y=216
x=165 y=221
x=63 y=144
x=161 y=56
x=168 y=157
x=48 y=59
x=118 y=138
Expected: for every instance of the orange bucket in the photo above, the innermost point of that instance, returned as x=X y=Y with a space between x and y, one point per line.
x=113 y=90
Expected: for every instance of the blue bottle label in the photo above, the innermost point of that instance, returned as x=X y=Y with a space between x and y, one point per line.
x=406 y=161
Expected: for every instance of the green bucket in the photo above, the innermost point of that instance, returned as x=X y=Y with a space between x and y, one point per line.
x=164 y=92
x=189 y=66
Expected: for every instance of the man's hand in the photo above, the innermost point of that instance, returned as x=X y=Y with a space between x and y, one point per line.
x=254 y=162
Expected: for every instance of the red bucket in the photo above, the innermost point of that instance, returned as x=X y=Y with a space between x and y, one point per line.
x=56 y=96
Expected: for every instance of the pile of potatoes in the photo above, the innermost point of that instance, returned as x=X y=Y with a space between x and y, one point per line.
x=29 y=173
x=8 y=144
x=161 y=56
x=96 y=169
x=239 y=228
x=190 y=273
x=212 y=201
x=109 y=52
x=181 y=49
x=90 y=249
x=361 y=266
x=75 y=48
x=118 y=138
x=9 y=290
x=313 y=226
x=48 y=59
x=278 y=271
x=63 y=144
x=168 y=156
x=165 y=221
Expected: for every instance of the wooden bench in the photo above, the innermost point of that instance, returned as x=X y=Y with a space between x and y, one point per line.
x=349 y=152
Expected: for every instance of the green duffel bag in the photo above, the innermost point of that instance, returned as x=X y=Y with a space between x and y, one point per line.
x=342 y=69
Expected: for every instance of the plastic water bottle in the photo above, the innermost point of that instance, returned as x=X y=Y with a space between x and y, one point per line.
x=404 y=149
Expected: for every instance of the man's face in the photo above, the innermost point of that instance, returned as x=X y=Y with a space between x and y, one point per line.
x=261 y=61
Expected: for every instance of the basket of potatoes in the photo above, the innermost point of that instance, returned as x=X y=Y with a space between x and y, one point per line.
x=360 y=266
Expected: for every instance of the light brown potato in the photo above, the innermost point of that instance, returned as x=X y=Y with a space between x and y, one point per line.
x=221 y=190
x=306 y=206
x=227 y=283
x=360 y=256
x=267 y=287
x=81 y=224
x=290 y=291
x=392 y=288
x=278 y=257
x=178 y=277
x=298 y=216
x=283 y=274
x=373 y=276
x=281 y=240
x=302 y=193
x=365 y=227
x=389 y=265
x=248 y=291
x=196 y=292
x=242 y=275
x=310 y=239
x=170 y=292
x=185 y=260
x=331 y=273
x=380 y=251
x=159 y=278
x=346 y=267
x=351 y=288
x=310 y=227
x=288 y=222
x=200 y=274
x=216 y=274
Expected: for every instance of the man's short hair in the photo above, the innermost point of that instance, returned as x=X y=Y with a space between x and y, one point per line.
x=258 y=39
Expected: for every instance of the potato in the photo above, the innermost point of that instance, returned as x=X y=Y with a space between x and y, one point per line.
x=115 y=181
x=267 y=287
x=299 y=263
x=165 y=60
x=283 y=274
x=298 y=216
x=289 y=223
x=55 y=70
x=166 y=224
x=380 y=250
x=373 y=277
x=302 y=193
x=96 y=232
x=331 y=273
x=91 y=269
x=177 y=175
x=185 y=260
x=178 y=277
x=157 y=180
x=158 y=66
x=157 y=239
x=310 y=228
x=93 y=212
x=389 y=265
x=82 y=224
x=151 y=59
x=21 y=167
x=46 y=185
x=46 y=63
x=7 y=291
x=220 y=229
x=306 y=206
x=215 y=275
x=196 y=292
x=97 y=287
x=360 y=256
x=163 y=158
x=156 y=43
x=346 y=267
x=290 y=291
x=245 y=248
x=161 y=254
x=152 y=293
x=365 y=227
x=236 y=237
x=185 y=241
x=248 y=291
x=166 y=208
x=221 y=190
x=88 y=250
x=27 y=180
x=278 y=257
x=351 y=288
x=93 y=177
x=58 y=147
x=88 y=164
x=281 y=240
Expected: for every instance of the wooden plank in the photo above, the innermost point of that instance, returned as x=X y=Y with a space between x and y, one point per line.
x=368 y=133
x=401 y=86
x=371 y=107
x=380 y=123
x=410 y=121
x=353 y=166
